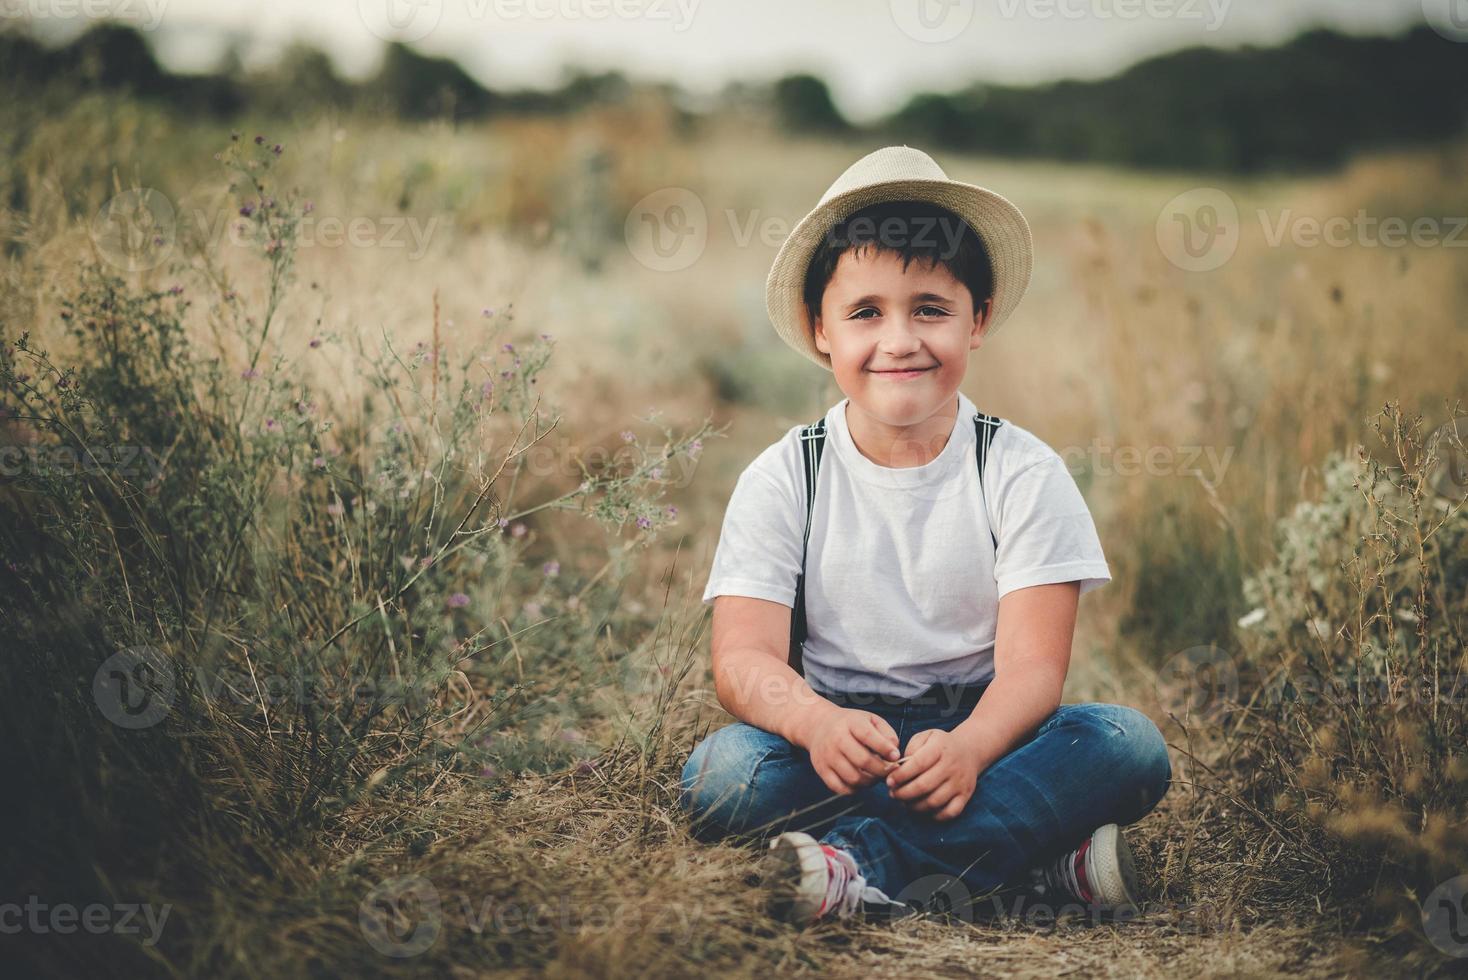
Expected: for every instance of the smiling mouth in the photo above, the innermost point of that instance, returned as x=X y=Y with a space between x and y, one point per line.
x=902 y=371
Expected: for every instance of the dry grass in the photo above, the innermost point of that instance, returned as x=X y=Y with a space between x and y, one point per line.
x=1276 y=359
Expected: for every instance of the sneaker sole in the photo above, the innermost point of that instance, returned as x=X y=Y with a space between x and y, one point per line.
x=795 y=873
x=1111 y=870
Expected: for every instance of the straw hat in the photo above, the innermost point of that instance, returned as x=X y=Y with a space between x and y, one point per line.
x=897 y=173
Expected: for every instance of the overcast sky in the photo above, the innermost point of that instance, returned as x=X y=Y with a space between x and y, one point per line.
x=875 y=53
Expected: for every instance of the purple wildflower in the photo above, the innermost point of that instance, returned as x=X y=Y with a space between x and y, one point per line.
x=319 y=462
x=246 y=209
x=628 y=435
x=250 y=374
x=458 y=600
x=315 y=342
x=551 y=569
x=644 y=523
x=518 y=530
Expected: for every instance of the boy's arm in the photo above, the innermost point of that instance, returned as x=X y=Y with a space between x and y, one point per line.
x=1031 y=654
x=848 y=748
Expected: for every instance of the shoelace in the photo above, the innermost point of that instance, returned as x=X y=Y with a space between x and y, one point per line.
x=846 y=887
x=1068 y=874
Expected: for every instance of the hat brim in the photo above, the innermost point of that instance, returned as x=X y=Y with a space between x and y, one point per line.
x=999 y=224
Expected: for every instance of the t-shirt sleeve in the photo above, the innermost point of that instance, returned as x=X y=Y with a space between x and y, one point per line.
x=759 y=548
x=1045 y=531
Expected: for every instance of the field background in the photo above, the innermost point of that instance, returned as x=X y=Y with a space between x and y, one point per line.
x=1279 y=358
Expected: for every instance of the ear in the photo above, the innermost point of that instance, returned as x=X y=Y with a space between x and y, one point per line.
x=981 y=324
x=818 y=334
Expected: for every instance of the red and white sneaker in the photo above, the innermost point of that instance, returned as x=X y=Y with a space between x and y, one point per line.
x=810 y=881
x=1098 y=874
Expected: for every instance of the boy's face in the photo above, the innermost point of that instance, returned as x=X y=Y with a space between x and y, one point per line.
x=876 y=318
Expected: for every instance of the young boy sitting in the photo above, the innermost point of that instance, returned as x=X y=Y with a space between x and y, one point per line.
x=895 y=591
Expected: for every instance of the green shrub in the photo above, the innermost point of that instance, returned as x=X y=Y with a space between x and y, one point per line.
x=246 y=614
x=1357 y=690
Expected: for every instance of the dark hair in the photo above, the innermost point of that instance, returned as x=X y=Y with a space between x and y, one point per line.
x=911 y=229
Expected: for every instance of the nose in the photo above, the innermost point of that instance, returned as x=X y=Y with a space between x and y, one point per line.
x=898 y=338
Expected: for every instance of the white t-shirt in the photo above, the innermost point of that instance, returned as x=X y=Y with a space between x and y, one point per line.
x=902 y=585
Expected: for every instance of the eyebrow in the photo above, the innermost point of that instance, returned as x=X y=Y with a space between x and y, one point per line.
x=871 y=298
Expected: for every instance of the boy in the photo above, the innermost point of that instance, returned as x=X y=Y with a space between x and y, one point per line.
x=914 y=742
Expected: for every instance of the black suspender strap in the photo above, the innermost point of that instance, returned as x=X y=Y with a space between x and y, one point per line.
x=984 y=428
x=812 y=443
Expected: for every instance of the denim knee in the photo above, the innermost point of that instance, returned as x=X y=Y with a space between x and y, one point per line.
x=718 y=779
x=1138 y=757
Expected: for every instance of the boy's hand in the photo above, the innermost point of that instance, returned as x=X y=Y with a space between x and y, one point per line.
x=851 y=749
x=938 y=775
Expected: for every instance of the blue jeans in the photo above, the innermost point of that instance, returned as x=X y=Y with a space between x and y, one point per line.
x=1087 y=765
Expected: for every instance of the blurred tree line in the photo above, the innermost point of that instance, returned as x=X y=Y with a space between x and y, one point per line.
x=1304 y=105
